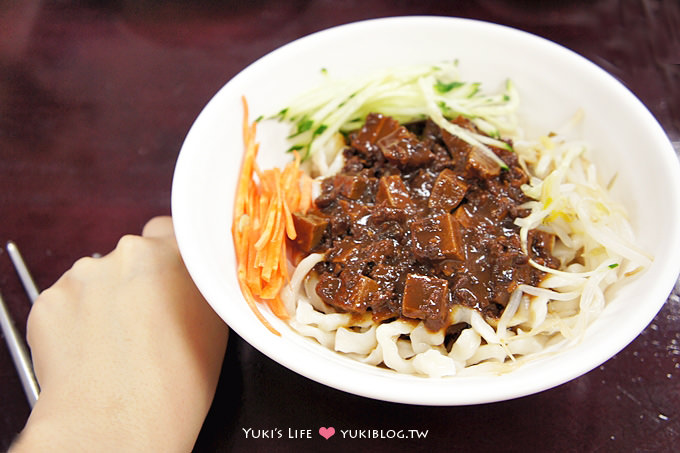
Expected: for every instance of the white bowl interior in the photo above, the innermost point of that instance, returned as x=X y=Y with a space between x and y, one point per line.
x=553 y=83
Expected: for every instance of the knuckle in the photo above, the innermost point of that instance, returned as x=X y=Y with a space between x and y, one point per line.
x=128 y=241
x=130 y=245
x=82 y=264
x=158 y=226
x=132 y=251
x=40 y=316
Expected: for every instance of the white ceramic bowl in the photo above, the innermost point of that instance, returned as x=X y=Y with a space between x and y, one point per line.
x=553 y=83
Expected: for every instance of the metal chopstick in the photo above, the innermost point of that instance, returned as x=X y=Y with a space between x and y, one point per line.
x=20 y=356
x=15 y=343
x=24 y=275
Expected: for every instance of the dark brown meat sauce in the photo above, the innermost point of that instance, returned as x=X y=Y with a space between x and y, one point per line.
x=418 y=221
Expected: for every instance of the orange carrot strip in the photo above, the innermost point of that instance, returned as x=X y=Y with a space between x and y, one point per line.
x=283 y=263
x=290 y=225
x=261 y=207
x=290 y=197
x=253 y=279
x=274 y=248
x=270 y=294
x=278 y=308
x=250 y=300
x=293 y=186
x=247 y=166
x=263 y=220
x=241 y=251
x=272 y=214
x=305 y=192
x=240 y=236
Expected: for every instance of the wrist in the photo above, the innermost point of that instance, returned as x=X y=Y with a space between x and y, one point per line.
x=60 y=426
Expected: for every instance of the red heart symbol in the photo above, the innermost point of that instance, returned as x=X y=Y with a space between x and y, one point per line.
x=326 y=432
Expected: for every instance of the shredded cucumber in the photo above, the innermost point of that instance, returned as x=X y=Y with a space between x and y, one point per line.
x=406 y=94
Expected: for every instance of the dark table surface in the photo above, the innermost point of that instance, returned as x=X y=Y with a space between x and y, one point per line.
x=95 y=100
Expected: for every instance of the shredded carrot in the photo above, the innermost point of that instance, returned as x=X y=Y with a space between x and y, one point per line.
x=263 y=219
x=305 y=191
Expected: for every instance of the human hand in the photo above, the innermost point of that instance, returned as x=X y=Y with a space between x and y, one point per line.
x=126 y=351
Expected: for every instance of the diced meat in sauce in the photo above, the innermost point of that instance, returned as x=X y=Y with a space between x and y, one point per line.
x=351 y=187
x=418 y=221
x=393 y=192
x=482 y=164
x=437 y=237
x=309 y=228
x=425 y=298
x=403 y=148
x=350 y=291
x=375 y=128
x=447 y=191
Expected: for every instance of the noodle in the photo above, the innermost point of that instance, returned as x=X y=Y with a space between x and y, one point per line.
x=594 y=241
